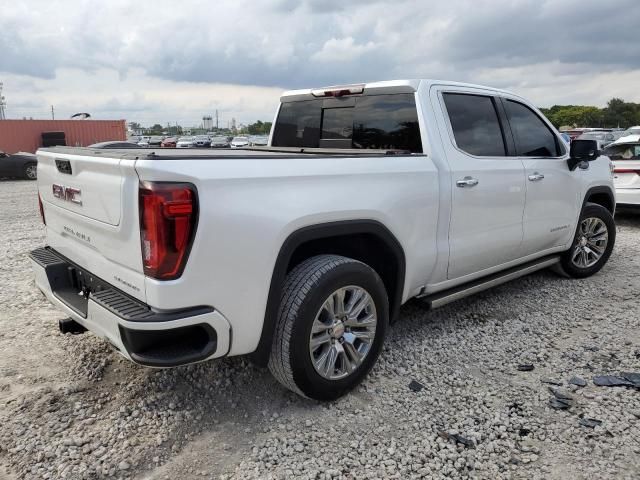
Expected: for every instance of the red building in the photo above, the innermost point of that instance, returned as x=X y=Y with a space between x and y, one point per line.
x=26 y=135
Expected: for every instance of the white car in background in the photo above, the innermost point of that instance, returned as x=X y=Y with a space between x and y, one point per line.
x=186 y=142
x=625 y=156
x=239 y=142
x=624 y=137
x=259 y=141
x=144 y=141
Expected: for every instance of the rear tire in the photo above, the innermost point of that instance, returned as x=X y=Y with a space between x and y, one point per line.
x=331 y=325
x=31 y=171
x=592 y=244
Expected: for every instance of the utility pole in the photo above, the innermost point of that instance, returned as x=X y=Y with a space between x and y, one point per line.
x=53 y=116
x=2 y=104
x=216 y=119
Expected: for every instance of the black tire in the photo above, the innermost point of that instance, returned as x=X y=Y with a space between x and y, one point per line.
x=568 y=266
x=31 y=171
x=305 y=291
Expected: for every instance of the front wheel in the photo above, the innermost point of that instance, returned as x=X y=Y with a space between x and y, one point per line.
x=592 y=244
x=331 y=325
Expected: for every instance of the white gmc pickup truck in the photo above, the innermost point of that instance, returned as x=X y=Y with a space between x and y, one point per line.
x=302 y=252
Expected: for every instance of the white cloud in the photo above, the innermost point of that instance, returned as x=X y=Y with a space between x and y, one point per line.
x=167 y=62
x=342 y=50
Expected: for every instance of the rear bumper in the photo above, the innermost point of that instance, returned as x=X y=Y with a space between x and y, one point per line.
x=140 y=333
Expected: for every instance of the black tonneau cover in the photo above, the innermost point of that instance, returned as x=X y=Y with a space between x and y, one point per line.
x=206 y=153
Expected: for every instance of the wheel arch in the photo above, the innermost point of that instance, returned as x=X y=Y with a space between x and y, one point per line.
x=365 y=240
x=601 y=195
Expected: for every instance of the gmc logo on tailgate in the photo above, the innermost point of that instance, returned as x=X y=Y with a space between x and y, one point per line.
x=68 y=194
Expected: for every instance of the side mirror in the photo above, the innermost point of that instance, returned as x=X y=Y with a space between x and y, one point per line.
x=582 y=151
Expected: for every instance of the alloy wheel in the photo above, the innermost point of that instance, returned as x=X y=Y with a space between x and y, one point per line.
x=591 y=242
x=31 y=172
x=343 y=332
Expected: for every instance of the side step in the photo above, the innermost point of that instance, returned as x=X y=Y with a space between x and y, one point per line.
x=439 y=299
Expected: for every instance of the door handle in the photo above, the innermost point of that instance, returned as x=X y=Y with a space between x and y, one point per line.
x=536 y=177
x=467 y=182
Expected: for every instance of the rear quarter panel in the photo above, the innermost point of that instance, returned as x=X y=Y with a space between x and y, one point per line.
x=248 y=207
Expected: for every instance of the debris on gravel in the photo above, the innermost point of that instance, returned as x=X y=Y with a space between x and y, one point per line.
x=415 y=386
x=525 y=367
x=578 y=381
x=72 y=408
x=622 y=380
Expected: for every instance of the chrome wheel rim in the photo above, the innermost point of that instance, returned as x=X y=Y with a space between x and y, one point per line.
x=591 y=243
x=343 y=332
x=31 y=172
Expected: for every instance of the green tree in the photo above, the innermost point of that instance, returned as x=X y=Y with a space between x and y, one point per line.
x=259 y=128
x=156 y=129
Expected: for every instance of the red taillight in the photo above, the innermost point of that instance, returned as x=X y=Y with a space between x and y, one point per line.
x=168 y=216
x=626 y=170
x=41 y=209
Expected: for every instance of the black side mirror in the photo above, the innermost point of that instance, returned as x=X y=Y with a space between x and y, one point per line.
x=582 y=151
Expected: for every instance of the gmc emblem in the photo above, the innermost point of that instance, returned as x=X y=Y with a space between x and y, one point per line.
x=68 y=194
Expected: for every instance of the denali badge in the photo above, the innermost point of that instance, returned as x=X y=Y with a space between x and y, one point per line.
x=68 y=194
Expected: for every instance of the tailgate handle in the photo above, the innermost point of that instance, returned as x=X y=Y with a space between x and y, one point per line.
x=63 y=166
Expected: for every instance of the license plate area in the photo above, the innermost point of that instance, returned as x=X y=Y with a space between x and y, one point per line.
x=73 y=285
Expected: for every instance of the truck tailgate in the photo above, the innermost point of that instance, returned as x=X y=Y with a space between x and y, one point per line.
x=91 y=212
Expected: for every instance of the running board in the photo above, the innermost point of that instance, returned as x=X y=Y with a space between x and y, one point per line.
x=439 y=299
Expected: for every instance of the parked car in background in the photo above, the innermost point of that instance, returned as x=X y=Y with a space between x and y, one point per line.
x=258 y=141
x=144 y=141
x=114 y=144
x=575 y=133
x=202 y=141
x=19 y=165
x=603 y=138
x=169 y=142
x=239 y=142
x=155 y=141
x=220 y=142
x=185 y=142
x=626 y=170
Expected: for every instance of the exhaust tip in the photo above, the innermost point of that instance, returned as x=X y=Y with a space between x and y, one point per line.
x=68 y=325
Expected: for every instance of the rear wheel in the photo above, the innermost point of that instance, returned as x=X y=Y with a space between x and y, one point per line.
x=592 y=244
x=31 y=171
x=331 y=325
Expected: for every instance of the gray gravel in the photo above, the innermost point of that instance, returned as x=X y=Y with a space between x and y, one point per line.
x=71 y=408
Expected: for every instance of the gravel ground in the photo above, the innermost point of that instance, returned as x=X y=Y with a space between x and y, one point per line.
x=71 y=408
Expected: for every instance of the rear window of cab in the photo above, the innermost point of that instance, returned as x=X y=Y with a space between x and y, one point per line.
x=387 y=122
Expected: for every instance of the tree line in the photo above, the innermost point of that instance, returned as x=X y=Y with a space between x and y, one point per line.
x=617 y=113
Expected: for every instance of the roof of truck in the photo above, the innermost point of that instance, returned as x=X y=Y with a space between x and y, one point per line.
x=387 y=86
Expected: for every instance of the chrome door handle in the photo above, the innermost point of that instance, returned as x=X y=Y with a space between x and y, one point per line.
x=536 y=177
x=467 y=182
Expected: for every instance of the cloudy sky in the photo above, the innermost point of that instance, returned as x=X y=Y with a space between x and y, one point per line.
x=168 y=61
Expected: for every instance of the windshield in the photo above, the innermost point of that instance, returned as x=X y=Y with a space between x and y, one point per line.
x=631 y=131
x=219 y=139
x=388 y=122
x=240 y=139
x=186 y=139
x=623 y=151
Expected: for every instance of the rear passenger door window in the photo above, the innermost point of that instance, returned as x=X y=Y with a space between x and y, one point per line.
x=475 y=124
x=532 y=135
